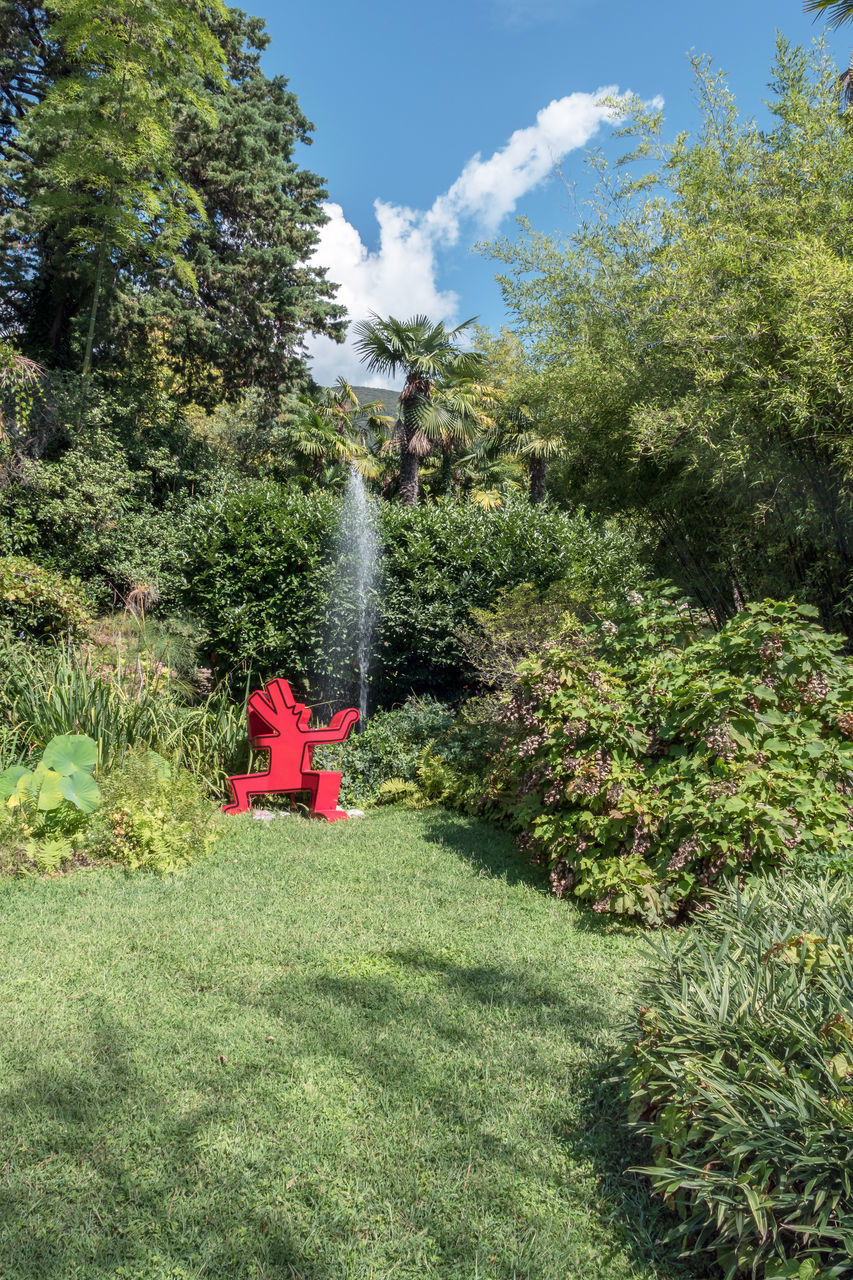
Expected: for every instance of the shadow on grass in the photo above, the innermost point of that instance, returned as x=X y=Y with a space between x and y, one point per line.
x=488 y=849
x=492 y=851
x=604 y=1139
x=93 y=1201
x=374 y=1038
x=113 y=1179
x=130 y=1169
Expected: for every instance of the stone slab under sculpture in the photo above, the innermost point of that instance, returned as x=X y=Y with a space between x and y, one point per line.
x=279 y=725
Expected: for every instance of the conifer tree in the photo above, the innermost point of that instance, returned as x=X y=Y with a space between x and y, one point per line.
x=258 y=295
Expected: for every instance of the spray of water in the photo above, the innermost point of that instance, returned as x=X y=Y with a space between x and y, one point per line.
x=355 y=591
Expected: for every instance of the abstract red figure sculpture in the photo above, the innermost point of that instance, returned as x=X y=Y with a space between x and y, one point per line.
x=279 y=725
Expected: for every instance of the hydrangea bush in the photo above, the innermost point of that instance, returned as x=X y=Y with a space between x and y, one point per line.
x=642 y=759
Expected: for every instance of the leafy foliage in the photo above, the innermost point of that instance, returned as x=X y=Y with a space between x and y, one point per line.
x=59 y=784
x=526 y=619
x=40 y=602
x=691 y=338
x=43 y=809
x=94 y=154
x=642 y=759
x=62 y=690
x=259 y=564
x=155 y=816
x=257 y=293
x=155 y=213
x=390 y=746
x=742 y=1079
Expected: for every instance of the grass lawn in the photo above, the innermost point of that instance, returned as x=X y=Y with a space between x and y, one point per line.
x=373 y=1049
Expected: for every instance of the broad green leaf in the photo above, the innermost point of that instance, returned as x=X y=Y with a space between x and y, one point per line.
x=9 y=779
x=82 y=790
x=50 y=795
x=70 y=751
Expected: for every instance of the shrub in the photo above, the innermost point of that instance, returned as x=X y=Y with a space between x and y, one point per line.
x=742 y=1079
x=259 y=573
x=642 y=760
x=154 y=816
x=389 y=748
x=444 y=561
x=39 y=602
x=522 y=621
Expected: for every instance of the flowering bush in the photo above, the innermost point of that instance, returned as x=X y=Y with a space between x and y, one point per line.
x=642 y=760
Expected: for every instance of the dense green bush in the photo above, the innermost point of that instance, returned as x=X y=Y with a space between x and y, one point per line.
x=389 y=747
x=259 y=572
x=440 y=562
x=257 y=566
x=39 y=602
x=742 y=1079
x=107 y=501
x=643 y=759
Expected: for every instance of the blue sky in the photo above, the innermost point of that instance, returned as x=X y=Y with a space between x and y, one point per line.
x=437 y=124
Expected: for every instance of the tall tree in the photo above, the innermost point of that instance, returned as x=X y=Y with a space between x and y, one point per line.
x=526 y=423
x=694 y=337
x=94 y=155
x=425 y=352
x=258 y=294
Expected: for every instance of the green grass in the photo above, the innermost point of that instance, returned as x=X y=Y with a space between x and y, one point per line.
x=365 y=1050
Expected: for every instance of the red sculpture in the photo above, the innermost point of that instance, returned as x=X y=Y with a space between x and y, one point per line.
x=279 y=725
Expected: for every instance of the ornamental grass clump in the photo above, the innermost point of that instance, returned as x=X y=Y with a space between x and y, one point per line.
x=742 y=1079
x=643 y=759
x=61 y=689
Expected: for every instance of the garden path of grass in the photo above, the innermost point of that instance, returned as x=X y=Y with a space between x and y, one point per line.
x=364 y=1050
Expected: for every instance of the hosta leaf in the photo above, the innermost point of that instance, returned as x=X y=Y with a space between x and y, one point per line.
x=70 y=751
x=82 y=790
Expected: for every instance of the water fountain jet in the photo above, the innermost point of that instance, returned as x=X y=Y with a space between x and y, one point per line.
x=350 y=644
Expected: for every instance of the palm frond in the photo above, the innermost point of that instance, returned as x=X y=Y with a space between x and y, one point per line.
x=837 y=12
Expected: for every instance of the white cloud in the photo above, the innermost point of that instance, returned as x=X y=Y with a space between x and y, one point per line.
x=400 y=277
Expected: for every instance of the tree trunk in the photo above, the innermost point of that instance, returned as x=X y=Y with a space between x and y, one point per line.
x=408 y=474
x=538 y=474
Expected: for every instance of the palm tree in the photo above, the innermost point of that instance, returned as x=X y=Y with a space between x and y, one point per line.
x=331 y=430
x=426 y=353
x=367 y=424
x=837 y=13
x=531 y=435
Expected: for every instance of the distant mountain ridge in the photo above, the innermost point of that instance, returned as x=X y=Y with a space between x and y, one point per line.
x=390 y=399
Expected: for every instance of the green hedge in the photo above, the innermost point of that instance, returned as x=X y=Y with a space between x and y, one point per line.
x=742 y=1080
x=259 y=572
x=390 y=747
